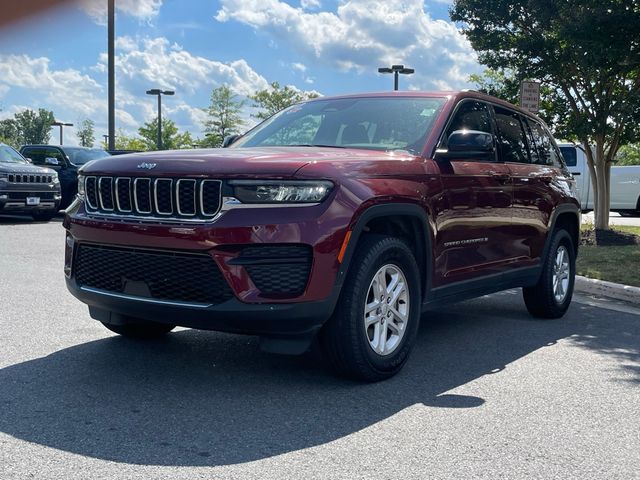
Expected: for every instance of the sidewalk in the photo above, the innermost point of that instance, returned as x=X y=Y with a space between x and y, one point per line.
x=616 y=291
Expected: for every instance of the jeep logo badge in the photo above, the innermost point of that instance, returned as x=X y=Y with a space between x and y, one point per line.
x=147 y=166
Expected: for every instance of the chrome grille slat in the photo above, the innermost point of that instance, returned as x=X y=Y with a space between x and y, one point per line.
x=105 y=193
x=140 y=193
x=153 y=198
x=189 y=209
x=163 y=183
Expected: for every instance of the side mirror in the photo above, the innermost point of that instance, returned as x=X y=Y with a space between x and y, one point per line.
x=30 y=160
x=51 y=161
x=229 y=140
x=468 y=144
x=471 y=141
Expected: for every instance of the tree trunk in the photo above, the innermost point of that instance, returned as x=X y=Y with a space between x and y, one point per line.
x=601 y=193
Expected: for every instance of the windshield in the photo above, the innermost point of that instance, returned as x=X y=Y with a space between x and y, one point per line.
x=382 y=123
x=80 y=156
x=9 y=155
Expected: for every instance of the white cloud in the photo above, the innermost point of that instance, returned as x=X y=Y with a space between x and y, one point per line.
x=62 y=87
x=301 y=67
x=364 y=34
x=310 y=4
x=142 y=9
x=3 y=90
x=143 y=63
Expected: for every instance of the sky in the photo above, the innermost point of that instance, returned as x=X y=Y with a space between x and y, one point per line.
x=57 y=60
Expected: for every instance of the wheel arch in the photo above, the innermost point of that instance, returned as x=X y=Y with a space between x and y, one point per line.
x=566 y=217
x=403 y=220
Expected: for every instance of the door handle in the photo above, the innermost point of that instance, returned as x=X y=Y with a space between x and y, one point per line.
x=575 y=174
x=500 y=177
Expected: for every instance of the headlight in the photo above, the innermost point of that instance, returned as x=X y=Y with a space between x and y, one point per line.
x=4 y=177
x=55 y=179
x=281 y=191
x=81 y=186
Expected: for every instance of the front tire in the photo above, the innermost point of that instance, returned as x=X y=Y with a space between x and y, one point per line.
x=374 y=326
x=140 y=329
x=551 y=296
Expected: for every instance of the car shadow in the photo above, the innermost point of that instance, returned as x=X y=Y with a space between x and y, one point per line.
x=26 y=219
x=204 y=399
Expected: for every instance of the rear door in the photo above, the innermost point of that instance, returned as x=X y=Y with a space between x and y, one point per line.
x=472 y=228
x=536 y=189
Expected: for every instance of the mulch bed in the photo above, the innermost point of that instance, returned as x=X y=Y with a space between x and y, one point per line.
x=608 y=238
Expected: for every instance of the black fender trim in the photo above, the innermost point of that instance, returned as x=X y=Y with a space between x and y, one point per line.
x=559 y=210
x=388 y=210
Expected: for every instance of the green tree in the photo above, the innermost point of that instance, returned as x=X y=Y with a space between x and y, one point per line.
x=224 y=116
x=9 y=132
x=32 y=127
x=272 y=100
x=86 y=133
x=171 y=138
x=629 y=154
x=126 y=142
x=505 y=85
x=585 y=51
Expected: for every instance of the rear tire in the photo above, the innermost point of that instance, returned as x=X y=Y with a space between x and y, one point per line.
x=374 y=326
x=140 y=329
x=551 y=296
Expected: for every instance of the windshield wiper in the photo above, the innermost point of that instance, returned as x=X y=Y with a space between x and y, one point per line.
x=313 y=145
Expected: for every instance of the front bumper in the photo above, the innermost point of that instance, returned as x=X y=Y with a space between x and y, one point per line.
x=250 y=310
x=234 y=316
x=14 y=200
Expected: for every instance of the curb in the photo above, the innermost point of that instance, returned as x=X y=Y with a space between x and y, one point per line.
x=616 y=291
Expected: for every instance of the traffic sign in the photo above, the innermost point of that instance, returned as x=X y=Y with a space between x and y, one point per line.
x=530 y=96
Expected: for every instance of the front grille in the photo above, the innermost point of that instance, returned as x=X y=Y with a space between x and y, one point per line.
x=172 y=198
x=156 y=274
x=29 y=178
x=277 y=269
x=24 y=195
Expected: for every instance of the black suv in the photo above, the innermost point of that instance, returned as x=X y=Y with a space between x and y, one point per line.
x=66 y=161
x=25 y=188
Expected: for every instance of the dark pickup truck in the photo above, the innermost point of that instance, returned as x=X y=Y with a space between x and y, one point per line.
x=65 y=160
x=25 y=188
x=345 y=218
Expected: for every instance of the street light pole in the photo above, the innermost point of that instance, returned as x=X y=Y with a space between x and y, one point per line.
x=159 y=93
x=396 y=70
x=61 y=125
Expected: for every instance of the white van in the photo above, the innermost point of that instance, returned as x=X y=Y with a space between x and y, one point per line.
x=625 y=182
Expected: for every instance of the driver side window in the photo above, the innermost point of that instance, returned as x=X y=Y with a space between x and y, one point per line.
x=470 y=115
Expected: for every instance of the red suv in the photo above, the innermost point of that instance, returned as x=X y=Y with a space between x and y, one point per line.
x=342 y=217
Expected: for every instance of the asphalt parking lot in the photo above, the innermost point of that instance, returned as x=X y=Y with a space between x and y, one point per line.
x=488 y=393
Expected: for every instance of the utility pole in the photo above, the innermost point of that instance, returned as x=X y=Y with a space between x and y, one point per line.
x=111 y=67
x=396 y=70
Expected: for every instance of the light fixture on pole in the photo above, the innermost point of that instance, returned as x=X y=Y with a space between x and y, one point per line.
x=159 y=93
x=61 y=125
x=396 y=70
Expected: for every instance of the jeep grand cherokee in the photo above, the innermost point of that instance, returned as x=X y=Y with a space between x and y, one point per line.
x=342 y=217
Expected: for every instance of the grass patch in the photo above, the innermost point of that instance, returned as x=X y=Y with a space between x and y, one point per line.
x=585 y=227
x=613 y=264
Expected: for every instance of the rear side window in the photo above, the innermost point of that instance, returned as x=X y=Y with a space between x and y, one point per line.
x=511 y=136
x=546 y=153
x=570 y=156
x=470 y=115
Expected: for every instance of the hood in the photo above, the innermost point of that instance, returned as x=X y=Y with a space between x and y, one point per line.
x=10 y=167
x=226 y=162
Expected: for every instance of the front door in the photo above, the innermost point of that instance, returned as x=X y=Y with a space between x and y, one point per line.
x=473 y=225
